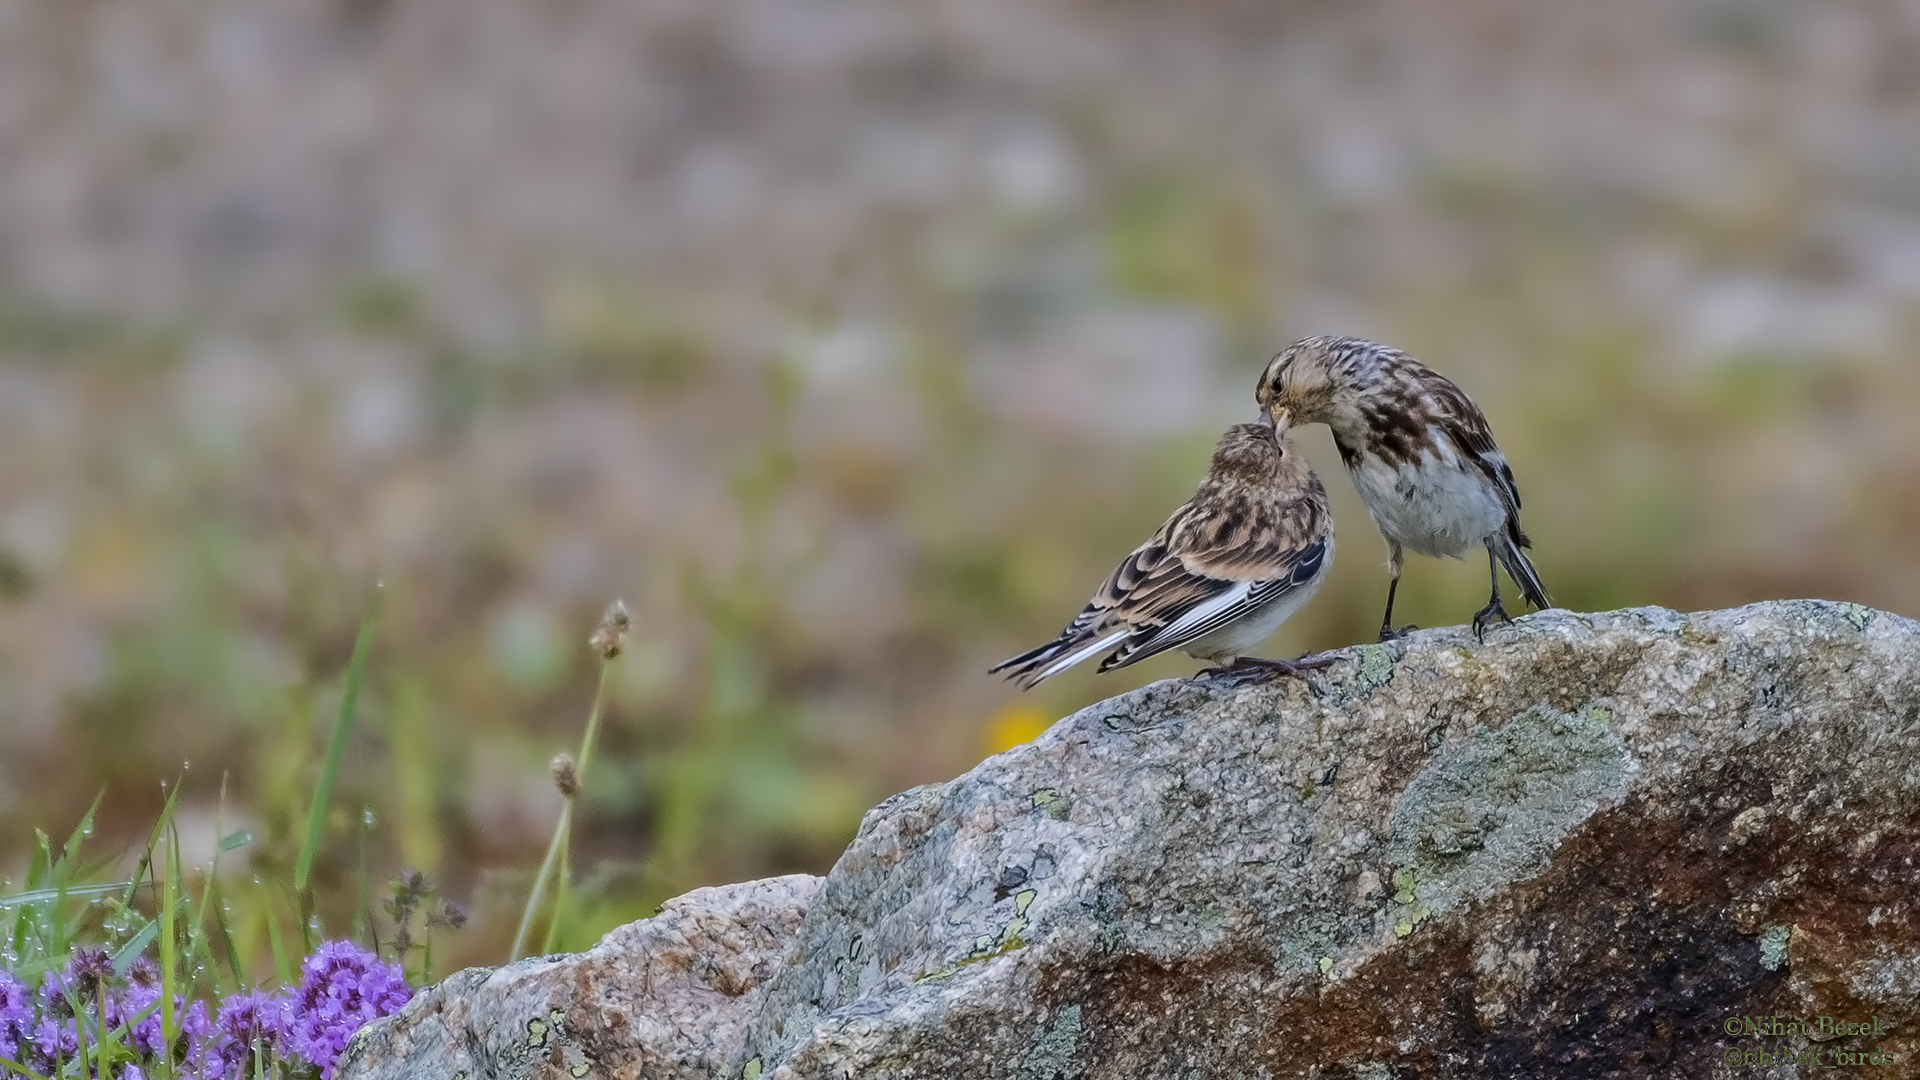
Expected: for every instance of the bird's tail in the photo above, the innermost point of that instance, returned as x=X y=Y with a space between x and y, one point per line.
x=1520 y=568
x=1035 y=666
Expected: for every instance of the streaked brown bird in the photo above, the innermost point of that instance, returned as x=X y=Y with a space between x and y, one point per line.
x=1419 y=451
x=1232 y=564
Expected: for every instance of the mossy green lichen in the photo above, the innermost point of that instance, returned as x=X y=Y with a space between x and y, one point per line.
x=1494 y=810
x=1773 y=947
x=1404 y=878
x=988 y=946
x=1376 y=667
x=1052 y=1053
x=1404 y=926
x=1309 y=947
x=1022 y=900
x=1860 y=615
x=1050 y=802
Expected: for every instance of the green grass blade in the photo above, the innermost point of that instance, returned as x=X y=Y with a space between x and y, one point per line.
x=169 y=943
x=40 y=871
x=363 y=890
x=107 y=1045
x=82 y=830
x=224 y=924
x=153 y=844
x=199 y=959
x=282 y=963
x=16 y=1067
x=336 y=749
x=199 y=943
x=41 y=896
x=137 y=944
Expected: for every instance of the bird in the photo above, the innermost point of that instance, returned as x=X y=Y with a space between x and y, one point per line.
x=1419 y=451
x=1218 y=578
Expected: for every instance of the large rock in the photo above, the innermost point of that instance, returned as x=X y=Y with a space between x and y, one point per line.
x=1626 y=845
x=666 y=996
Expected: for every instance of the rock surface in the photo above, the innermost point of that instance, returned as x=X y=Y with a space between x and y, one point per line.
x=1620 y=845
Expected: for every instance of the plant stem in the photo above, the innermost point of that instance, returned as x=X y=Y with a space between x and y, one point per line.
x=562 y=830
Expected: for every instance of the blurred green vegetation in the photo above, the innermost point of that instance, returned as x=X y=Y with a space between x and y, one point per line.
x=769 y=693
x=851 y=395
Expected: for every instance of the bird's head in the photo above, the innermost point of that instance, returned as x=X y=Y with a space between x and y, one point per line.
x=1312 y=381
x=1248 y=453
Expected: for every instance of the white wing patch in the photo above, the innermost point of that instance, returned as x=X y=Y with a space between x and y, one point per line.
x=1079 y=654
x=1195 y=622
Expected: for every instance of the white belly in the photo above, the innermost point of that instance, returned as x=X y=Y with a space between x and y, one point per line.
x=1439 y=506
x=1243 y=636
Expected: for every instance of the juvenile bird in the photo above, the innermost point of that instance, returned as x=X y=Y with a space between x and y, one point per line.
x=1232 y=564
x=1418 y=450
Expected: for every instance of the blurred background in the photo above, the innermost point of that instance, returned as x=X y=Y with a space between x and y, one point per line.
x=853 y=343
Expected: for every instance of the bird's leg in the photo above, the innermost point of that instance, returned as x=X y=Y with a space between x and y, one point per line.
x=1394 y=565
x=1387 y=632
x=1494 y=609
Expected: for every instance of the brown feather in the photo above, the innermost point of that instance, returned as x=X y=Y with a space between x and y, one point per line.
x=1258 y=518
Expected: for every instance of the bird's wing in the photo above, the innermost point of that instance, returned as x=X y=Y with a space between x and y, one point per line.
x=1207 y=567
x=1466 y=425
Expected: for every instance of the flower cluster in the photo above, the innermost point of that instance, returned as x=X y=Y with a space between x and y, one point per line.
x=16 y=1017
x=342 y=987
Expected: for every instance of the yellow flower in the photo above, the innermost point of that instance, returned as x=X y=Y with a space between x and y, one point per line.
x=1014 y=725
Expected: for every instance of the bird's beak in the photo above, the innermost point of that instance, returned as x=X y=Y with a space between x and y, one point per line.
x=1276 y=421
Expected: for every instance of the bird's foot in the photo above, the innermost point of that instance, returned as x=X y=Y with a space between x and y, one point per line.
x=1486 y=615
x=1255 y=670
x=1387 y=633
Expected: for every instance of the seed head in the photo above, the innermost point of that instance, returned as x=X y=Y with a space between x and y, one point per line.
x=611 y=635
x=566 y=775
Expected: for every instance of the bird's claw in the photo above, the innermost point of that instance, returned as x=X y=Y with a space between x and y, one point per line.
x=1485 y=616
x=1389 y=634
x=1253 y=670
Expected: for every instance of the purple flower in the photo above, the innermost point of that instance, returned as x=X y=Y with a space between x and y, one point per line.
x=196 y=1027
x=54 y=1041
x=246 y=1020
x=53 y=996
x=143 y=1032
x=143 y=972
x=139 y=1011
x=89 y=970
x=341 y=988
x=16 y=1016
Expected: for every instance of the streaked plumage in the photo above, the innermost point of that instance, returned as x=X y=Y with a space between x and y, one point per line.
x=1232 y=564
x=1419 y=451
